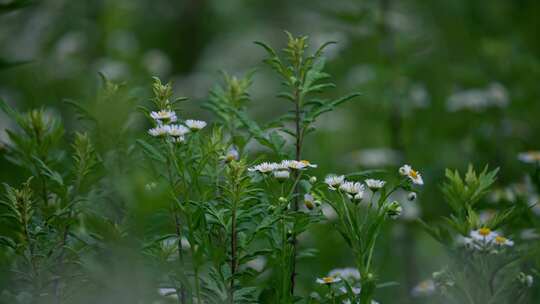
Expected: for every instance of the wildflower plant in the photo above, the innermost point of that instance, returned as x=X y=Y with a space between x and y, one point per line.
x=44 y=212
x=486 y=265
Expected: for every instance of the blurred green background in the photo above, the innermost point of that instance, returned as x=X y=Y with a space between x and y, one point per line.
x=444 y=83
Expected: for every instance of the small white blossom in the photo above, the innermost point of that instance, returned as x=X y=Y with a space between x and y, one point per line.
x=354 y=190
x=483 y=235
x=424 y=288
x=163 y=116
x=177 y=130
x=413 y=175
x=297 y=165
x=328 y=280
x=411 y=196
x=529 y=157
x=334 y=181
x=195 y=124
x=158 y=131
x=503 y=241
x=349 y=273
x=166 y=292
x=375 y=184
x=310 y=202
x=264 y=167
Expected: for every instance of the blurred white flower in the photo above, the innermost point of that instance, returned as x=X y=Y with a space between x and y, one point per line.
x=264 y=167
x=163 y=116
x=167 y=292
x=424 y=288
x=232 y=154
x=374 y=184
x=195 y=124
x=502 y=241
x=483 y=234
x=297 y=165
x=495 y=95
x=530 y=157
x=176 y=131
x=328 y=280
x=334 y=181
x=159 y=131
x=348 y=273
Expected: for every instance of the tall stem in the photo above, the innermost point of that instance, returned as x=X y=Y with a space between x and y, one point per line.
x=233 y=236
x=298 y=151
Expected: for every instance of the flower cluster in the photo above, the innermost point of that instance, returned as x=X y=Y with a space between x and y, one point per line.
x=484 y=239
x=282 y=169
x=175 y=132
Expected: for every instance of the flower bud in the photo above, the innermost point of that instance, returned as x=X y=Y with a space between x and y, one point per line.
x=394 y=210
x=313 y=179
x=411 y=196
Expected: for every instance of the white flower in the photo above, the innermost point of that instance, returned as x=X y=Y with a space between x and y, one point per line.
x=328 y=280
x=349 y=273
x=177 y=130
x=351 y=187
x=502 y=241
x=529 y=157
x=334 y=181
x=195 y=124
x=484 y=235
x=264 y=167
x=374 y=184
x=411 y=196
x=158 y=131
x=413 y=175
x=424 y=288
x=297 y=165
x=282 y=174
x=163 y=116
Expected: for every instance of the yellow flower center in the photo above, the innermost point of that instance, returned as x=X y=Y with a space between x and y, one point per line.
x=484 y=231
x=413 y=174
x=500 y=240
x=305 y=162
x=328 y=280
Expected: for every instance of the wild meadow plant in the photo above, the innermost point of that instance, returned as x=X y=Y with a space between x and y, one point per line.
x=230 y=224
x=487 y=266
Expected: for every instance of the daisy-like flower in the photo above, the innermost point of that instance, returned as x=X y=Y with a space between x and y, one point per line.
x=328 y=280
x=195 y=125
x=354 y=190
x=374 y=184
x=282 y=174
x=502 y=241
x=166 y=292
x=264 y=167
x=159 y=131
x=413 y=175
x=163 y=116
x=424 y=288
x=297 y=165
x=483 y=234
x=334 y=181
x=177 y=132
x=348 y=274
x=529 y=157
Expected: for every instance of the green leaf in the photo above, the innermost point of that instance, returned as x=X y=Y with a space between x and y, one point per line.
x=151 y=151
